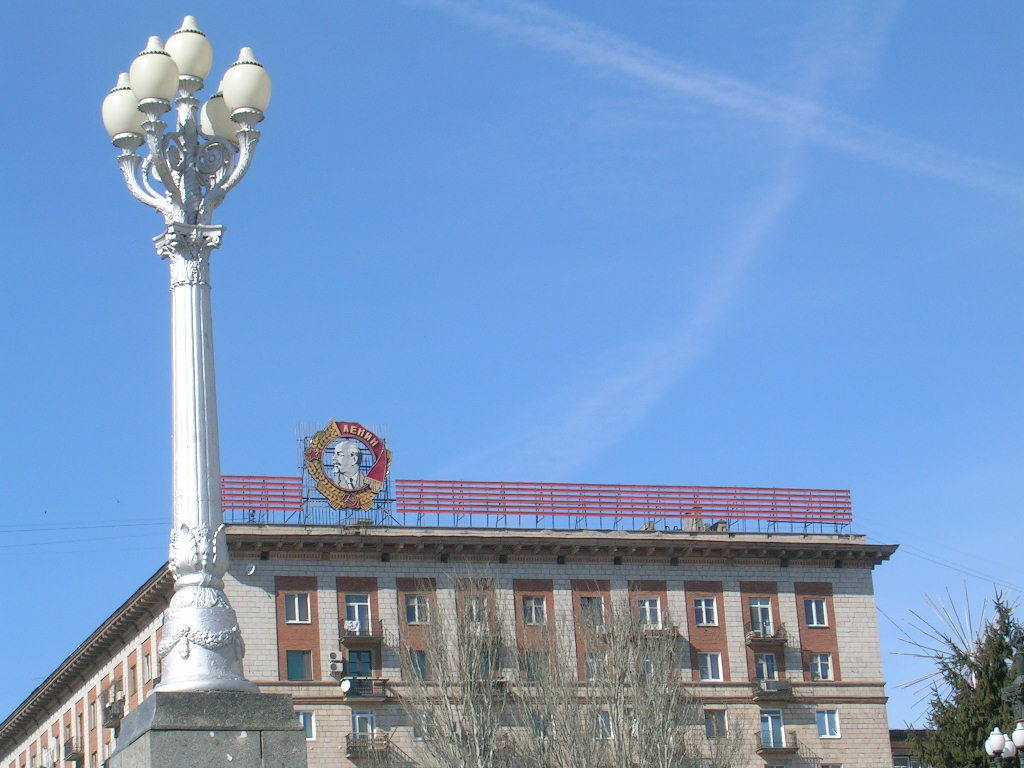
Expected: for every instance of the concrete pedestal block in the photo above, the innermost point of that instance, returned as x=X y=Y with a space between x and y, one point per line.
x=214 y=729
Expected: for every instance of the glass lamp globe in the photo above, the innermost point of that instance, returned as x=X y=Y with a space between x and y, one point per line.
x=994 y=743
x=153 y=74
x=1009 y=750
x=214 y=120
x=190 y=49
x=246 y=84
x=121 y=109
x=1018 y=735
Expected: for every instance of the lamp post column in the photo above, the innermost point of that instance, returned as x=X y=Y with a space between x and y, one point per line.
x=184 y=176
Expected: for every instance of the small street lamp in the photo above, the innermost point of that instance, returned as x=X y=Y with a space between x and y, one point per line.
x=184 y=176
x=999 y=745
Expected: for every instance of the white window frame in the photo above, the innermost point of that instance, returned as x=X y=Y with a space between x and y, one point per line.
x=815 y=667
x=700 y=611
x=355 y=601
x=293 y=604
x=366 y=717
x=834 y=713
x=755 y=607
x=719 y=733
x=420 y=606
x=703 y=665
x=592 y=663
x=588 y=616
x=772 y=714
x=310 y=716
x=534 y=606
x=476 y=609
x=603 y=730
x=758 y=658
x=811 y=605
x=645 y=614
x=147 y=667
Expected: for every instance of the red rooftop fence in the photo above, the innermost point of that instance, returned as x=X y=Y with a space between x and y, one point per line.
x=480 y=503
x=648 y=502
x=252 y=492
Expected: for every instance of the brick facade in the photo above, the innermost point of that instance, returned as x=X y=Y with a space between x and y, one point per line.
x=269 y=562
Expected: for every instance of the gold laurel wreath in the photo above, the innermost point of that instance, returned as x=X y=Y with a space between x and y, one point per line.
x=337 y=497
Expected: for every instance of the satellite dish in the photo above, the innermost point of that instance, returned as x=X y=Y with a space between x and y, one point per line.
x=346 y=685
x=251 y=569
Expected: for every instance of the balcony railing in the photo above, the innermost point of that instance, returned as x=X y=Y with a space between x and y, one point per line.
x=766 y=633
x=776 y=742
x=73 y=751
x=355 y=631
x=364 y=687
x=765 y=690
x=113 y=711
x=367 y=744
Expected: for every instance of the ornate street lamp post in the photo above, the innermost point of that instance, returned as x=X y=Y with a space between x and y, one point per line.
x=185 y=175
x=1001 y=745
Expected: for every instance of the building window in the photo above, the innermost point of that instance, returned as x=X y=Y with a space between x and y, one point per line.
x=828 y=723
x=299 y=665
x=592 y=611
x=592 y=663
x=831 y=765
x=710 y=666
x=418 y=663
x=760 y=616
x=714 y=724
x=603 y=724
x=705 y=613
x=308 y=720
x=533 y=611
x=147 y=668
x=821 y=666
x=476 y=609
x=540 y=725
x=364 y=723
x=814 y=612
x=417 y=734
x=417 y=610
x=648 y=611
x=360 y=663
x=902 y=761
x=296 y=608
x=357 y=614
x=764 y=666
x=133 y=680
x=535 y=664
x=772 y=732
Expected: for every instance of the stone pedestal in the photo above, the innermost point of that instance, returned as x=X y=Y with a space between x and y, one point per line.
x=211 y=729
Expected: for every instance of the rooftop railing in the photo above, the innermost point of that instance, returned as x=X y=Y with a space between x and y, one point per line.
x=466 y=504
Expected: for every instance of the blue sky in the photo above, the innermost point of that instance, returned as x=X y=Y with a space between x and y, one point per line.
x=752 y=242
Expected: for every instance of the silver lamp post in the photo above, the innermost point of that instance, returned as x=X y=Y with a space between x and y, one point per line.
x=185 y=175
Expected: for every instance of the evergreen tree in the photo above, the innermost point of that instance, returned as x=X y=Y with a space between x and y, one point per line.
x=966 y=703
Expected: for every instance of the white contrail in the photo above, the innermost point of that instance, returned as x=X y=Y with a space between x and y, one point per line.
x=598 y=418
x=593 y=47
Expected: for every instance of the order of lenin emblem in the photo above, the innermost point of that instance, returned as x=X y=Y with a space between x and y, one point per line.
x=333 y=459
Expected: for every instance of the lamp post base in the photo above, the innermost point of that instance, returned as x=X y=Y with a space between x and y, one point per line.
x=185 y=730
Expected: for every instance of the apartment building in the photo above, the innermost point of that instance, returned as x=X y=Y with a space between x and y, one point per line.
x=780 y=623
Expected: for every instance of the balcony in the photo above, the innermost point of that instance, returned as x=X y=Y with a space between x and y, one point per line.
x=765 y=634
x=73 y=751
x=374 y=745
x=773 y=690
x=365 y=688
x=113 y=711
x=355 y=632
x=776 y=743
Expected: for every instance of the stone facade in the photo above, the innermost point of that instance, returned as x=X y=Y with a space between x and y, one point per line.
x=269 y=562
